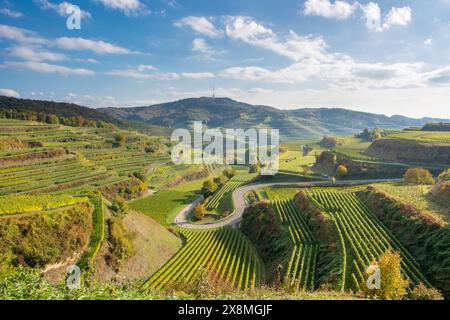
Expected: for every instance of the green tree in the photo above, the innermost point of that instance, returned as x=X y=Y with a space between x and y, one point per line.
x=254 y=168
x=209 y=187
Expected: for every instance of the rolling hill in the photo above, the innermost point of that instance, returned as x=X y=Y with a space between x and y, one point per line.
x=228 y=113
x=70 y=110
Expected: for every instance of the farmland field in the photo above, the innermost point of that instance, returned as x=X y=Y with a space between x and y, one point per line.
x=363 y=238
x=225 y=255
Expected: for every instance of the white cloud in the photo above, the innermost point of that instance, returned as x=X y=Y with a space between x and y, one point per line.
x=398 y=17
x=144 y=72
x=9 y=93
x=33 y=53
x=81 y=44
x=128 y=7
x=20 y=35
x=200 y=25
x=11 y=13
x=46 y=68
x=198 y=75
x=292 y=46
x=428 y=41
x=372 y=14
x=340 y=10
x=60 y=8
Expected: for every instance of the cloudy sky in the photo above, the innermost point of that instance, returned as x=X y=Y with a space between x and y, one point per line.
x=390 y=57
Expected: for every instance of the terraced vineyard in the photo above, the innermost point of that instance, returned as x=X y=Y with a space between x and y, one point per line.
x=38 y=158
x=224 y=254
x=301 y=269
x=228 y=188
x=363 y=237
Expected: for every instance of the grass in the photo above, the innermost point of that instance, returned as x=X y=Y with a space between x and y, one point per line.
x=417 y=196
x=164 y=205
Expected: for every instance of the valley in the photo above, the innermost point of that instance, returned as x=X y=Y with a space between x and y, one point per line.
x=108 y=199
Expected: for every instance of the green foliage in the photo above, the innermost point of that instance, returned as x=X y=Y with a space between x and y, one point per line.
x=121 y=243
x=371 y=135
x=364 y=238
x=418 y=176
x=45 y=238
x=97 y=235
x=331 y=142
x=209 y=187
x=273 y=242
x=25 y=204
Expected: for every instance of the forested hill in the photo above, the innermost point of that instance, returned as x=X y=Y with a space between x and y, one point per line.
x=68 y=114
x=228 y=113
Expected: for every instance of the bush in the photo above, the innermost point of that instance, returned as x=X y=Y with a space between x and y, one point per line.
x=331 y=142
x=341 y=171
x=418 y=176
x=121 y=244
x=422 y=292
x=393 y=285
x=209 y=187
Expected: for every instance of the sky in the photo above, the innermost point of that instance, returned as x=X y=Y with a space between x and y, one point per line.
x=380 y=56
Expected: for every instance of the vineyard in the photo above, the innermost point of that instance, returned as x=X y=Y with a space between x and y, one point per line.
x=363 y=238
x=225 y=255
x=301 y=268
x=228 y=188
x=26 y=204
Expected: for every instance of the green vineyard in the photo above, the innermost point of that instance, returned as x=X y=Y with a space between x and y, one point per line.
x=228 y=188
x=300 y=271
x=224 y=254
x=363 y=238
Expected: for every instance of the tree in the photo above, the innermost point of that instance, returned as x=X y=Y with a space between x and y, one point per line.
x=392 y=284
x=120 y=140
x=220 y=180
x=200 y=211
x=341 y=171
x=209 y=187
x=229 y=172
x=254 y=168
x=52 y=119
x=418 y=176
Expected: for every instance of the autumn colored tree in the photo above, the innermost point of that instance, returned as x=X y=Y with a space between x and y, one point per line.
x=341 y=171
x=200 y=211
x=418 y=176
x=392 y=285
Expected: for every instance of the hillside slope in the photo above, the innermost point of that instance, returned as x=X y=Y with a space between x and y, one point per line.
x=71 y=110
x=227 y=113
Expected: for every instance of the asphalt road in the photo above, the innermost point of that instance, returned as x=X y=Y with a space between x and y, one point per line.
x=240 y=205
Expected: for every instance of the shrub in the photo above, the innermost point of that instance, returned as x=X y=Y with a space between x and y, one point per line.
x=341 y=171
x=418 y=176
x=393 y=285
x=422 y=292
x=331 y=142
x=209 y=187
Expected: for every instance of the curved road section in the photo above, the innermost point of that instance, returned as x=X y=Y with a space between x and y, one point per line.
x=239 y=201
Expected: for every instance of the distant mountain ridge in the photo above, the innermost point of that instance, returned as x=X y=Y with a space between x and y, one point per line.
x=228 y=113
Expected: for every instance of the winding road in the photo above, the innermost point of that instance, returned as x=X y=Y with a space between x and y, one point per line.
x=239 y=201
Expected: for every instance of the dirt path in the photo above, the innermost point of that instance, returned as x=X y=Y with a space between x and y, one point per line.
x=240 y=205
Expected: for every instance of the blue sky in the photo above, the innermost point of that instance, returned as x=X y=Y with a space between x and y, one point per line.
x=390 y=57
